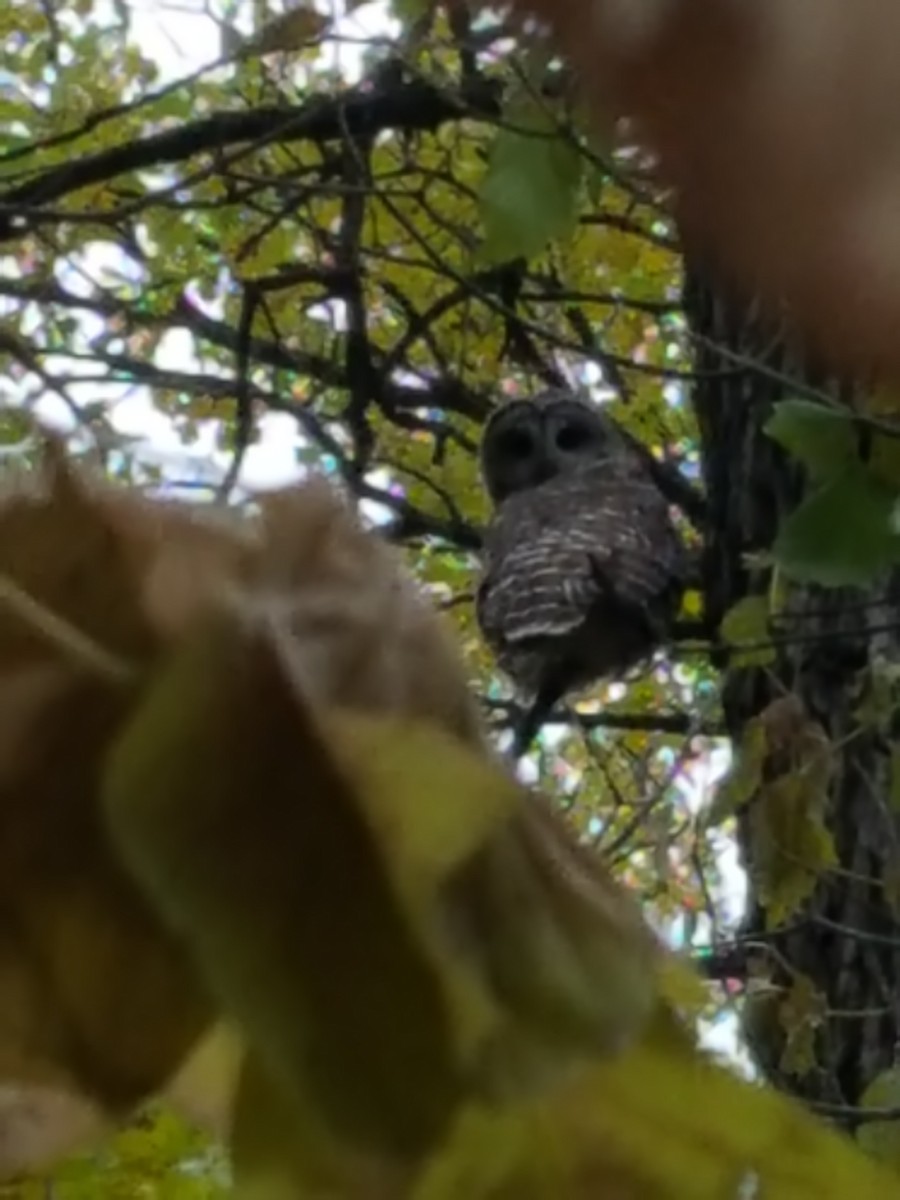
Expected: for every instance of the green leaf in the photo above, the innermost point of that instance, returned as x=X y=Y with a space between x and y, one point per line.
x=822 y=438
x=745 y=777
x=842 y=535
x=746 y=624
x=654 y=1124
x=406 y=11
x=801 y=1014
x=791 y=844
x=884 y=458
x=529 y=195
x=158 y=1156
x=881 y=1139
x=16 y=428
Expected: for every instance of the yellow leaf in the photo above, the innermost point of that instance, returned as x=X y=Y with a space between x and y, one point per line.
x=791 y=845
x=743 y=780
x=205 y=1085
x=231 y=812
x=366 y=983
x=881 y=1139
x=747 y=625
x=801 y=1013
x=291 y=30
x=650 y=1126
x=682 y=987
x=692 y=604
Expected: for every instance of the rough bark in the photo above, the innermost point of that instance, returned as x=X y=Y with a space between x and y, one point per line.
x=846 y=938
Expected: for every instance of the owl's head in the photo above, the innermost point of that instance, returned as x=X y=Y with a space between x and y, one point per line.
x=527 y=442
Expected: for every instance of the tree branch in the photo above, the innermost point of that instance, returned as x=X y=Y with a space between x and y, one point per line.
x=361 y=112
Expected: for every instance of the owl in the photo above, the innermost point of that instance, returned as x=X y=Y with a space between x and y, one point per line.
x=583 y=570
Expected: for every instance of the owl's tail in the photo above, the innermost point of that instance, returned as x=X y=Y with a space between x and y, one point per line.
x=534 y=716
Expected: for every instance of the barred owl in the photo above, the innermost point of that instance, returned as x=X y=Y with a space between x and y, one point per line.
x=583 y=570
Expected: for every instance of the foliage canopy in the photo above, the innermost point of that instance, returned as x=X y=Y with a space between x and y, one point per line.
x=353 y=236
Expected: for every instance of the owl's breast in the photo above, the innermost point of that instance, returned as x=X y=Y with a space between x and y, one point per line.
x=606 y=644
x=578 y=583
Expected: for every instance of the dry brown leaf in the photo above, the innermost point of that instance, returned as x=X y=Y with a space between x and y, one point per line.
x=58 y=552
x=123 y=572
x=39 y=1125
x=95 y=993
x=352 y=630
x=227 y=806
x=98 y=581
x=393 y=923
x=273 y=632
x=352 y=626
x=96 y=996
x=563 y=946
x=776 y=123
x=397 y=927
x=131 y=575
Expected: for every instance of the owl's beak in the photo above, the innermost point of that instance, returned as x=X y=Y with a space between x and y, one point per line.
x=545 y=468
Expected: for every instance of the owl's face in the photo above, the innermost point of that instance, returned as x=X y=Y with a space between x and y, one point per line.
x=528 y=442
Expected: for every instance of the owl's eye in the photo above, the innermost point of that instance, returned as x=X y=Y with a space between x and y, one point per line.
x=517 y=443
x=572 y=437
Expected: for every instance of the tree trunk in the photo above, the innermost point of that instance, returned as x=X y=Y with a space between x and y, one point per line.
x=833 y=646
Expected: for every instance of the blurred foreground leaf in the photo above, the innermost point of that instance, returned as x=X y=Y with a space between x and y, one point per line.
x=651 y=1126
x=725 y=95
x=431 y=989
x=393 y=923
x=96 y=997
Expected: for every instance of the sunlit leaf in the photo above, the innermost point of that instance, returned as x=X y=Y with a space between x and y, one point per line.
x=745 y=627
x=203 y=1090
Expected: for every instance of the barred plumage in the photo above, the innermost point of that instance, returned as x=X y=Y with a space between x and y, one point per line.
x=583 y=569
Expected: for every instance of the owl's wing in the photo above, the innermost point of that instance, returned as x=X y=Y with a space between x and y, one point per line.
x=636 y=549
x=540 y=587
x=553 y=553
